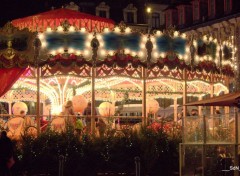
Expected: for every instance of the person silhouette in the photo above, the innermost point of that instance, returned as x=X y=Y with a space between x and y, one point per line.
x=6 y=154
x=88 y=112
x=101 y=127
x=79 y=125
x=69 y=114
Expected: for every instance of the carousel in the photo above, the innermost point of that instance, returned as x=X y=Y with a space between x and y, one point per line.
x=64 y=55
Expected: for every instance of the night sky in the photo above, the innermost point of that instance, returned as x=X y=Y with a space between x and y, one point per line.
x=13 y=9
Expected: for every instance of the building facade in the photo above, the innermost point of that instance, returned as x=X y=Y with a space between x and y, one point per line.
x=132 y=13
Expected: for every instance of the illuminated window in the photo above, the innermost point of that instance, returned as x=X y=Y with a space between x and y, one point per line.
x=130 y=17
x=168 y=19
x=181 y=16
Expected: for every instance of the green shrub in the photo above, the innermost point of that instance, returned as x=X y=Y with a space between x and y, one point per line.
x=112 y=153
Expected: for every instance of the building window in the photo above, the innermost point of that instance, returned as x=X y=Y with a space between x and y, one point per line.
x=130 y=14
x=156 y=20
x=102 y=10
x=196 y=11
x=168 y=19
x=103 y=13
x=130 y=17
x=181 y=16
x=162 y=18
x=72 y=6
x=211 y=8
x=227 y=5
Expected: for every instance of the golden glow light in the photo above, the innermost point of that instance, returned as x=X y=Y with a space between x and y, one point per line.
x=159 y=33
x=117 y=29
x=184 y=35
x=176 y=33
x=61 y=50
x=149 y=9
x=128 y=30
x=83 y=30
x=106 y=30
x=48 y=30
x=60 y=29
x=71 y=29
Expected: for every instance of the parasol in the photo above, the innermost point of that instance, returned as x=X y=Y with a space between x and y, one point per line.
x=231 y=99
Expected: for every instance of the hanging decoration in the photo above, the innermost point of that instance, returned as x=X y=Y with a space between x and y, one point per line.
x=229 y=60
x=122 y=46
x=171 y=49
x=16 y=48
x=173 y=46
x=121 y=43
x=65 y=43
x=207 y=54
x=207 y=48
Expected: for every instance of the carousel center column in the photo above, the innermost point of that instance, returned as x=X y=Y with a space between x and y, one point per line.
x=212 y=93
x=144 y=97
x=149 y=47
x=184 y=77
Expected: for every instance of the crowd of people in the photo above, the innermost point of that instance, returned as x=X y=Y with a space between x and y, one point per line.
x=78 y=122
x=68 y=119
x=82 y=122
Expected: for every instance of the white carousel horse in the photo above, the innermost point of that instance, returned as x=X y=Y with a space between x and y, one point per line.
x=137 y=127
x=58 y=124
x=15 y=126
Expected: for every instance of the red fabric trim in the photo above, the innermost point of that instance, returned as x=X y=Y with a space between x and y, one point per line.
x=63 y=13
x=8 y=77
x=54 y=18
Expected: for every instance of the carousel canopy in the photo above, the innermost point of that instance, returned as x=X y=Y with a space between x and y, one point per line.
x=54 y=18
x=73 y=39
x=70 y=43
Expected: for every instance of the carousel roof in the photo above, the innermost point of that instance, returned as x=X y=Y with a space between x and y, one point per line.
x=54 y=18
x=72 y=39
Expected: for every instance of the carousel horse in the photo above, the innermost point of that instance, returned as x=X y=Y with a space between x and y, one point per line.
x=58 y=124
x=15 y=127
